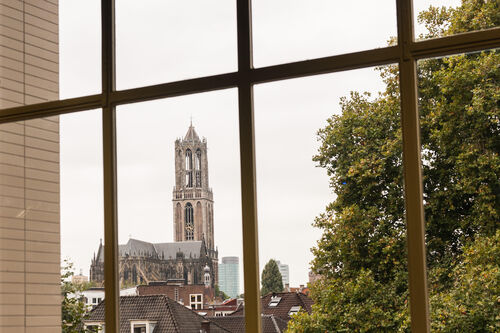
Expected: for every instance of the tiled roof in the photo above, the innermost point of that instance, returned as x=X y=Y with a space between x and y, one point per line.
x=288 y=300
x=170 y=316
x=270 y=323
x=135 y=247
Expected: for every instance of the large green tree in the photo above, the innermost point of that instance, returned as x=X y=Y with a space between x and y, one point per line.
x=362 y=252
x=271 y=279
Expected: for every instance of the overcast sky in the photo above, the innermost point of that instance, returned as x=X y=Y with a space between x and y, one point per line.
x=160 y=41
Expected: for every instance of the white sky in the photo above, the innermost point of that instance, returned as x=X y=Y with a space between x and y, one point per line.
x=160 y=41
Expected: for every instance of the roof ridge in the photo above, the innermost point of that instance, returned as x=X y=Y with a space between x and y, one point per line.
x=174 y=318
x=171 y=301
x=275 y=324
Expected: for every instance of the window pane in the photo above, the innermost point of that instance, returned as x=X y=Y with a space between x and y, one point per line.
x=35 y=58
x=286 y=31
x=439 y=18
x=177 y=221
x=80 y=50
x=50 y=219
x=354 y=199
x=460 y=135
x=162 y=41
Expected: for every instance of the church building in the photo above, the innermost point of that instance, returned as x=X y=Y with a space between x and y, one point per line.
x=192 y=257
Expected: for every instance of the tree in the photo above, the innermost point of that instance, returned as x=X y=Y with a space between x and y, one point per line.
x=73 y=307
x=362 y=252
x=271 y=278
x=220 y=293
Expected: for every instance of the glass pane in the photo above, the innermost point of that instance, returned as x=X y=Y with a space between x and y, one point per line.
x=50 y=220
x=439 y=18
x=460 y=136
x=80 y=50
x=35 y=58
x=286 y=31
x=162 y=41
x=330 y=198
x=180 y=204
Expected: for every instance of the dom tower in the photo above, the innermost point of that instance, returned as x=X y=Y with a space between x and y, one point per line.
x=192 y=197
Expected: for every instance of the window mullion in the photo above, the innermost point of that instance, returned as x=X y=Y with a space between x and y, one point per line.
x=247 y=164
x=111 y=286
x=415 y=225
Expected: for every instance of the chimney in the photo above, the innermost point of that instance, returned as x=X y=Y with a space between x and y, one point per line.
x=205 y=326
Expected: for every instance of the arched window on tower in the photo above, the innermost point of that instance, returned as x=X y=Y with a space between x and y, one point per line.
x=189 y=168
x=198 y=168
x=189 y=221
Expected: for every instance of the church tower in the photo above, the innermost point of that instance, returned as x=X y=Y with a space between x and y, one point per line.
x=192 y=197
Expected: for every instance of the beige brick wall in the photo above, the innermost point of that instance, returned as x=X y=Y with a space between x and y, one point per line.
x=29 y=170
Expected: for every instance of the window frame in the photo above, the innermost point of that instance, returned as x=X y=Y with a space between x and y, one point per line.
x=405 y=54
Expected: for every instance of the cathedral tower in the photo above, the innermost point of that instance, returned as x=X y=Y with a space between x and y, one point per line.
x=192 y=197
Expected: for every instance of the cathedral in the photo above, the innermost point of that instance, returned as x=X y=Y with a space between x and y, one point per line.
x=192 y=256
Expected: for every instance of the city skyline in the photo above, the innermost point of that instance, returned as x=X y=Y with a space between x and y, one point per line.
x=279 y=111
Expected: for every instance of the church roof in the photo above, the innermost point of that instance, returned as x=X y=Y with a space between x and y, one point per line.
x=191 y=134
x=189 y=248
x=135 y=247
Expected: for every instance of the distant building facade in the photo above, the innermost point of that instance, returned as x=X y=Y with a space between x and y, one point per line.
x=192 y=258
x=195 y=297
x=229 y=276
x=285 y=273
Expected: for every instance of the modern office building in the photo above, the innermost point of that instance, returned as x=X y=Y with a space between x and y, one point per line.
x=229 y=276
x=30 y=296
x=285 y=273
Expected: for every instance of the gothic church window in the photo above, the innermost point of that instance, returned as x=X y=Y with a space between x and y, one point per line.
x=189 y=168
x=198 y=168
x=189 y=221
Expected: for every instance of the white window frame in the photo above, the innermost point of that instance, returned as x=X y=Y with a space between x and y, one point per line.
x=148 y=324
x=196 y=302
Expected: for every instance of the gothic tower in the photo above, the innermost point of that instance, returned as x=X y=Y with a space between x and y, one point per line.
x=192 y=198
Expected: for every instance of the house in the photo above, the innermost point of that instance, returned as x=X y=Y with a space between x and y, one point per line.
x=281 y=305
x=270 y=323
x=193 y=296
x=154 y=313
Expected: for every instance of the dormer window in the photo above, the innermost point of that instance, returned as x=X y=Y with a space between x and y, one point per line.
x=95 y=327
x=275 y=300
x=142 y=326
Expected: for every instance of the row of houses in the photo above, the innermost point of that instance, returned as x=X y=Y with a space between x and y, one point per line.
x=156 y=310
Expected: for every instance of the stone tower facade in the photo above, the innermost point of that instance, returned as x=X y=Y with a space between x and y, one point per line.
x=192 y=197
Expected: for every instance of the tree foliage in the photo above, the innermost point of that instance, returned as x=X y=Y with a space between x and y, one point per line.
x=73 y=307
x=362 y=251
x=271 y=278
x=220 y=293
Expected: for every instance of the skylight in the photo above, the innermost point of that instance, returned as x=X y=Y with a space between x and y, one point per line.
x=274 y=301
x=294 y=310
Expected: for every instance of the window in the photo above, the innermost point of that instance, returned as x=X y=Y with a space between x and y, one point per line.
x=275 y=300
x=189 y=168
x=138 y=326
x=198 y=168
x=405 y=52
x=196 y=301
x=96 y=327
x=189 y=222
x=294 y=310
